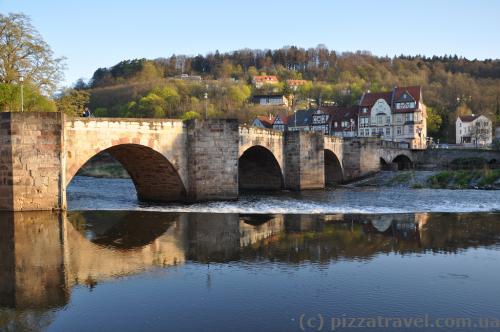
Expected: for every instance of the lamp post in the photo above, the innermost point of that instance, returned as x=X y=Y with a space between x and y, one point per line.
x=21 y=79
x=206 y=102
x=419 y=130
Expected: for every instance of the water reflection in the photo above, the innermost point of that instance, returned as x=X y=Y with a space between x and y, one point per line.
x=44 y=255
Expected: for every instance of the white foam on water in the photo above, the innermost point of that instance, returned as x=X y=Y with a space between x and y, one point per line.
x=105 y=194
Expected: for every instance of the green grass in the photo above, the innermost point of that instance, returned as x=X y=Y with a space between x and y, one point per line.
x=464 y=178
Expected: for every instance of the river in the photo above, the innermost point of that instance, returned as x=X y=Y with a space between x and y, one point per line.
x=339 y=259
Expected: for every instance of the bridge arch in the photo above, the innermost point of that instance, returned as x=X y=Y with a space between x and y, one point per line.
x=153 y=175
x=258 y=169
x=403 y=162
x=334 y=173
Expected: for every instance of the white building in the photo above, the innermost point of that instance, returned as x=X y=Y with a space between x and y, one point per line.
x=398 y=115
x=270 y=100
x=474 y=130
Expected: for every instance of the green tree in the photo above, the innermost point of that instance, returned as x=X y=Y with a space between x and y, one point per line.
x=73 y=102
x=23 y=52
x=191 y=115
x=10 y=99
x=434 y=122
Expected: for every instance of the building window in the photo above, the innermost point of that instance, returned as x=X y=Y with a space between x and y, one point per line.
x=399 y=131
x=387 y=131
x=380 y=120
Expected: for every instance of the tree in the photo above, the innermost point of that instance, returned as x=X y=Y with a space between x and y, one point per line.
x=73 y=102
x=23 y=52
x=10 y=99
x=434 y=121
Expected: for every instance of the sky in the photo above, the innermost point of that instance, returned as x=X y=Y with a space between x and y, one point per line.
x=101 y=33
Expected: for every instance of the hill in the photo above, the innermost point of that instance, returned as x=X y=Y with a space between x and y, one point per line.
x=136 y=88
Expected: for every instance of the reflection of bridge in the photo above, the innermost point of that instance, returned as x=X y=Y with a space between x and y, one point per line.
x=171 y=160
x=45 y=254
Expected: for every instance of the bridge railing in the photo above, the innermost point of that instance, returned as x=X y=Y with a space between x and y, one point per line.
x=394 y=145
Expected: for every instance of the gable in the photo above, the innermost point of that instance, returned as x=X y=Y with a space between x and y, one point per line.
x=381 y=106
x=405 y=98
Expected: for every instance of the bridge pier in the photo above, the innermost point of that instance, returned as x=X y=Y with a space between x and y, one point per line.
x=212 y=159
x=31 y=161
x=304 y=160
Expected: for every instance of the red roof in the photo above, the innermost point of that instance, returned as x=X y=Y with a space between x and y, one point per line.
x=283 y=118
x=414 y=91
x=266 y=120
x=369 y=98
x=296 y=82
x=265 y=78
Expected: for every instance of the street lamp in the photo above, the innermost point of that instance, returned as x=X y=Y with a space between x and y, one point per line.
x=21 y=79
x=206 y=102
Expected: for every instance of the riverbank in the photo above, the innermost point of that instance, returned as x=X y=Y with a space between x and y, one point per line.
x=485 y=179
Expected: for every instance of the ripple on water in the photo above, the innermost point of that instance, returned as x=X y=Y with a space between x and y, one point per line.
x=87 y=193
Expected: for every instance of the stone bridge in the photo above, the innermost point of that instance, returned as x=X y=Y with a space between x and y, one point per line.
x=171 y=160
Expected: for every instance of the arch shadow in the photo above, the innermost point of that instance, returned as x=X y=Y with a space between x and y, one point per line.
x=403 y=162
x=333 y=168
x=258 y=169
x=384 y=166
x=154 y=177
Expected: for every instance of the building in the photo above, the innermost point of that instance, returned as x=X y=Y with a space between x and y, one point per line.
x=263 y=121
x=187 y=77
x=260 y=81
x=300 y=120
x=270 y=100
x=281 y=122
x=336 y=121
x=295 y=84
x=473 y=130
x=398 y=115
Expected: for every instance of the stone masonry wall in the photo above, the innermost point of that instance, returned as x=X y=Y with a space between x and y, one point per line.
x=31 y=161
x=212 y=159
x=360 y=158
x=304 y=160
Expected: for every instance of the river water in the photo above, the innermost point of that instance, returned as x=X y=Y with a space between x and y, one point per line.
x=369 y=259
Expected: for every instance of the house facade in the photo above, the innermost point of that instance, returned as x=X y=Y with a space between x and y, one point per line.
x=280 y=122
x=295 y=84
x=270 y=100
x=398 y=115
x=474 y=130
x=336 y=121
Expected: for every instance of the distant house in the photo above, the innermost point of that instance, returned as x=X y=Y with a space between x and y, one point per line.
x=260 y=81
x=300 y=120
x=335 y=120
x=281 y=122
x=263 y=121
x=473 y=130
x=187 y=77
x=270 y=100
x=295 y=84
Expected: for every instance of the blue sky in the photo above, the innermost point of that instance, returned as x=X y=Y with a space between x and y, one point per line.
x=94 y=34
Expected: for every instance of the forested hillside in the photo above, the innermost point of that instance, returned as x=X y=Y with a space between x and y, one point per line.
x=146 y=88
